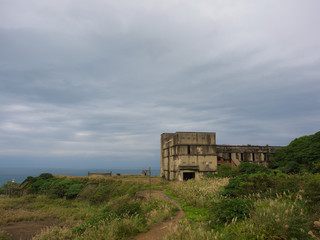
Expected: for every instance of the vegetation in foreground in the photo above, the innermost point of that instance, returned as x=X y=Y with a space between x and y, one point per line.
x=251 y=206
x=84 y=208
x=245 y=202
x=255 y=202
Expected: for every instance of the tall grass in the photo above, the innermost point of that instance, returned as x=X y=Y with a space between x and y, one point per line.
x=198 y=193
x=284 y=215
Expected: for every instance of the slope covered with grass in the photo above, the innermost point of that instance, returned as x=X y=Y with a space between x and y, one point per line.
x=301 y=155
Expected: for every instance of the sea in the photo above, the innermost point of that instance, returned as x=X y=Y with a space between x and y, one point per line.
x=20 y=174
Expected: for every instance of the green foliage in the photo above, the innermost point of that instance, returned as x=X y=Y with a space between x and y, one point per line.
x=229 y=209
x=93 y=222
x=59 y=187
x=304 y=151
x=9 y=187
x=3 y=236
x=73 y=190
x=46 y=176
x=264 y=184
x=234 y=188
x=292 y=167
x=129 y=208
x=312 y=190
x=54 y=187
x=103 y=192
x=225 y=170
x=249 y=168
x=195 y=214
x=315 y=167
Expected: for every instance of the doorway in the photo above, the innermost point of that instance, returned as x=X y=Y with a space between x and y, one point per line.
x=188 y=175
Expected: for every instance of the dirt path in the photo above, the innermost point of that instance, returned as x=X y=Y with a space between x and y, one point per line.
x=159 y=230
x=27 y=229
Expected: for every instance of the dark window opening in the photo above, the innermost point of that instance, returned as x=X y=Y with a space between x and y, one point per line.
x=241 y=156
x=265 y=157
x=230 y=156
x=189 y=150
x=188 y=175
x=253 y=157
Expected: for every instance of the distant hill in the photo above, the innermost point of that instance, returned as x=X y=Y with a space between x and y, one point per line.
x=301 y=155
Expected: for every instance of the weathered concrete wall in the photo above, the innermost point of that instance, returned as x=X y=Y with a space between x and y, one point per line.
x=195 y=154
x=246 y=153
x=184 y=152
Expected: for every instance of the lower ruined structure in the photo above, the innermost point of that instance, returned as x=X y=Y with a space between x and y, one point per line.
x=186 y=155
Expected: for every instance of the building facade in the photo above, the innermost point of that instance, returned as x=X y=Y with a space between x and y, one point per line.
x=187 y=155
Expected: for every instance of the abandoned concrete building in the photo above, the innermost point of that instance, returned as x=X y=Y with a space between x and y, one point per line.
x=186 y=155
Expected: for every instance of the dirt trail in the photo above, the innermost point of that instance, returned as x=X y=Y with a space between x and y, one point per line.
x=27 y=229
x=158 y=230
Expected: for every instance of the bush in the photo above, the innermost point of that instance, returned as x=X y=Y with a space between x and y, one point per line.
x=228 y=209
x=249 y=168
x=60 y=186
x=226 y=170
x=46 y=176
x=129 y=208
x=264 y=184
x=73 y=190
x=104 y=192
x=9 y=188
x=292 y=167
x=312 y=190
x=234 y=188
x=304 y=151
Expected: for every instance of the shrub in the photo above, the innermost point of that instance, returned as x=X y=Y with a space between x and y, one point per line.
x=73 y=190
x=129 y=208
x=46 y=176
x=304 y=151
x=264 y=184
x=249 y=168
x=229 y=209
x=312 y=190
x=292 y=167
x=103 y=193
x=9 y=188
x=59 y=187
x=234 y=187
x=226 y=170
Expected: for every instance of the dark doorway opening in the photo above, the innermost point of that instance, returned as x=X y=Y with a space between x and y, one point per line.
x=188 y=175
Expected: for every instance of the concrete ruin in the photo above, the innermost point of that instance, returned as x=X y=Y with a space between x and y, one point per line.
x=187 y=155
x=146 y=172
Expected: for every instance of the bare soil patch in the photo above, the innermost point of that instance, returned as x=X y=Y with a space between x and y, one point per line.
x=27 y=229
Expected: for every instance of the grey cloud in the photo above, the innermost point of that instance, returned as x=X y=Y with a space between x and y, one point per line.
x=104 y=80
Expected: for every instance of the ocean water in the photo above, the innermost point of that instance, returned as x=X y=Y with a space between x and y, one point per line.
x=20 y=174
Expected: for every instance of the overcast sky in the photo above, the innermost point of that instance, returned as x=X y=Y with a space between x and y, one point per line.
x=95 y=83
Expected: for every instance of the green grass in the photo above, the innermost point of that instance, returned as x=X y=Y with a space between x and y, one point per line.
x=101 y=208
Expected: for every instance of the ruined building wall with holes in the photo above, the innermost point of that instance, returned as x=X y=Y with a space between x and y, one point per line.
x=186 y=155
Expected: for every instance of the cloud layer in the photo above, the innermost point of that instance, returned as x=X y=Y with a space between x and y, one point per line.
x=95 y=84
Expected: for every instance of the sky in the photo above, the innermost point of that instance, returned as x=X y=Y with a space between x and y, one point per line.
x=93 y=84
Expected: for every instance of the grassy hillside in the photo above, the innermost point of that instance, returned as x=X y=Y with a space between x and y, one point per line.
x=83 y=208
x=245 y=202
x=262 y=204
x=301 y=155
